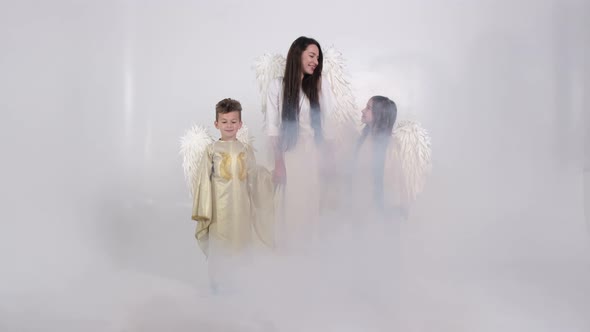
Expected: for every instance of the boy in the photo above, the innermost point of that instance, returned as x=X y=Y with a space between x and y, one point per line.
x=233 y=201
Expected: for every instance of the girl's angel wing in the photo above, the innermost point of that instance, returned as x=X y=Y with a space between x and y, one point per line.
x=409 y=160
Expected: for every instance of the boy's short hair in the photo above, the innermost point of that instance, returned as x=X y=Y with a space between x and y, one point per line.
x=228 y=105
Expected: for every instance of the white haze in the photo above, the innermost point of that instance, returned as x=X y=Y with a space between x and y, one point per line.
x=96 y=232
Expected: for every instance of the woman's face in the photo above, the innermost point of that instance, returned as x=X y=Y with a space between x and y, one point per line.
x=367 y=113
x=309 y=59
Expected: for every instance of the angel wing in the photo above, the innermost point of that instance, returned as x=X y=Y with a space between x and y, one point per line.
x=192 y=145
x=271 y=66
x=411 y=158
x=244 y=136
x=345 y=108
x=268 y=67
x=410 y=153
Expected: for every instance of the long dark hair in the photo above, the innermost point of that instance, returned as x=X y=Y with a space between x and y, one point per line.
x=384 y=114
x=292 y=83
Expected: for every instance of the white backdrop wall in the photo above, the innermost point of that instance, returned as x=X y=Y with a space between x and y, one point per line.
x=95 y=96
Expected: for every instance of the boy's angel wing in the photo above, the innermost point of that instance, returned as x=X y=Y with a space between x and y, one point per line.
x=244 y=136
x=410 y=159
x=192 y=145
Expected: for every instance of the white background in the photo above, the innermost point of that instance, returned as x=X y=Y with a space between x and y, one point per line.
x=95 y=95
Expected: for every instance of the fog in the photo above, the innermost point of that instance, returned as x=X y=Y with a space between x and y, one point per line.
x=96 y=232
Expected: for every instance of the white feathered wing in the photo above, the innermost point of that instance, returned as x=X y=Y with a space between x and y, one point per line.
x=409 y=160
x=345 y=111
x=244 y=136
x=271 y=66
x=268 y=67
x=410 y=153
x=192 y=146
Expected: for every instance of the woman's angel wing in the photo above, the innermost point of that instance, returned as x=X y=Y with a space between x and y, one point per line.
x=271 y=66
x=268 y=67
x=345 y=111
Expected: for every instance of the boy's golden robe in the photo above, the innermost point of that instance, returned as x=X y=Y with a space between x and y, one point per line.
x=233 y=200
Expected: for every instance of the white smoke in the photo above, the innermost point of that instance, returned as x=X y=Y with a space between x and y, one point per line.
x=96 y=233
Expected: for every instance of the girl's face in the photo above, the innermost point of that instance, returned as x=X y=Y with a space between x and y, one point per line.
x=367 y=113
x=309 y=59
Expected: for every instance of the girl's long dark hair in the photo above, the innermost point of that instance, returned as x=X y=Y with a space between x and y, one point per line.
x=384 y=114
x=292 y=84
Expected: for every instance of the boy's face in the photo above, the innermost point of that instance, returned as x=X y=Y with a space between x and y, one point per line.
x=228 y=124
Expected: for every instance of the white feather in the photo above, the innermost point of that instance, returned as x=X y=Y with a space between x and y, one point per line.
x=412 y=148
x=244 y=136
x=268 y=67
x=192 y=145
x=272 y=66
x=334 y=70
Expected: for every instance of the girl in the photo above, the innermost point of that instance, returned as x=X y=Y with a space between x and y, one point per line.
x=371 y=155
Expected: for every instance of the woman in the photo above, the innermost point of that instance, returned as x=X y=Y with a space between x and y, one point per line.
x=296 y=116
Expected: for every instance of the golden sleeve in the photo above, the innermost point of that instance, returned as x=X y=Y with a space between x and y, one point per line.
x=261 y=189
x=203 y=200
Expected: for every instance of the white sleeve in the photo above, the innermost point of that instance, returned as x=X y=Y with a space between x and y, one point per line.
x=327 y=108
x=273 y=107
